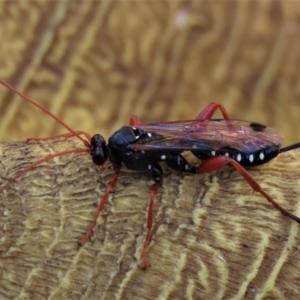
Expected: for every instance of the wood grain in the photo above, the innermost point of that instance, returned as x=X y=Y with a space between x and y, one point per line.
x=95 y=63
x=213 y=237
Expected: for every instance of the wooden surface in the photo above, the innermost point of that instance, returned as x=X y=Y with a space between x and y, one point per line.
x=94 y=64
x=213 y=237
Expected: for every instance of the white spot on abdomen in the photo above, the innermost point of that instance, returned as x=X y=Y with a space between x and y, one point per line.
x=251 y=158
x=261 y=156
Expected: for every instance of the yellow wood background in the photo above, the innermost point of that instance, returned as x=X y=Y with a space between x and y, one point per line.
x=213 y=237
x=95 y=63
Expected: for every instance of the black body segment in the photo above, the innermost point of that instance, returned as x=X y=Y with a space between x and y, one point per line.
x=239 y=140
x=217 y=142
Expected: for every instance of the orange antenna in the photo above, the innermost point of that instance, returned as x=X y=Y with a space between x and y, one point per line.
x=45 y=110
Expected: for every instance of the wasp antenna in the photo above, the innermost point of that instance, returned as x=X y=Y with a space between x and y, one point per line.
x=45 y=110
x=291 y=147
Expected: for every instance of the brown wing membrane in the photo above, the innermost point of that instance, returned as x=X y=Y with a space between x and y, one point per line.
x=244 y=136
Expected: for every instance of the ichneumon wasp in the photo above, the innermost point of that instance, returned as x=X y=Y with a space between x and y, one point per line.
x=141 y=147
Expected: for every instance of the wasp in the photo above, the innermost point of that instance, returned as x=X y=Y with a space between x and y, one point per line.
x=143 y=147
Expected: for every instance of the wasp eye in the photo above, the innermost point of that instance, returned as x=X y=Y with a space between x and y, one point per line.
x=98 y=150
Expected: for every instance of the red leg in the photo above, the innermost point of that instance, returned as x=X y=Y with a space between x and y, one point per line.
x=134 y=120
x=206 y=113
x=218 y=162
x=152 y=192
x=102 y=202
x=65 y=135
x=38 y=162
x=209 y=110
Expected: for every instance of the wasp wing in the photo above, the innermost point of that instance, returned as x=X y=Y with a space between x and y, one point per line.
x=213 y=134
